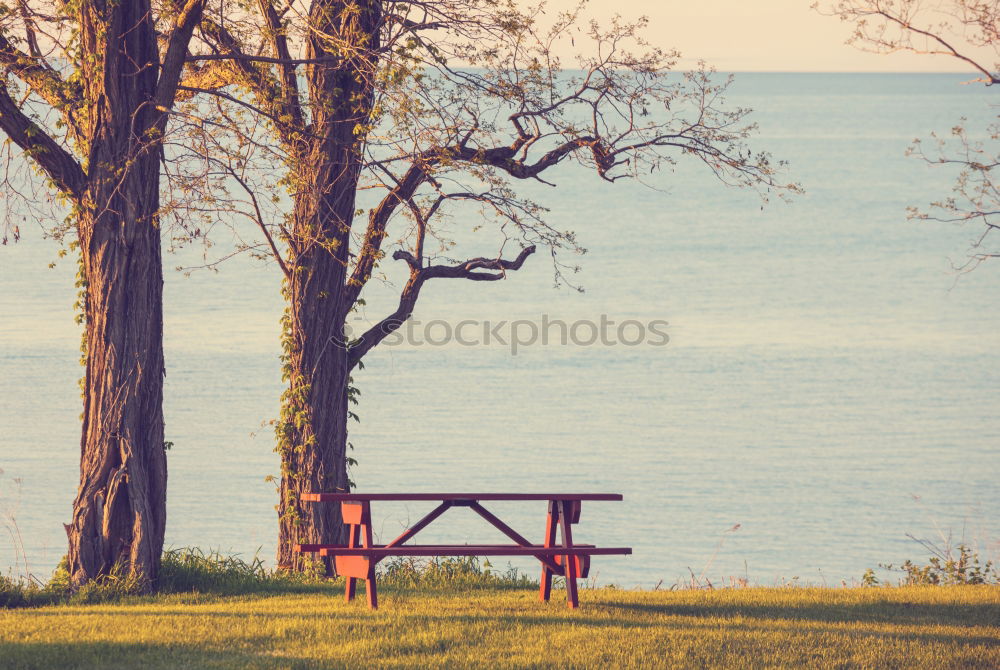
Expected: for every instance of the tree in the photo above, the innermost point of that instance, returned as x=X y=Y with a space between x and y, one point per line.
x=85 y=99
x=389 y=119
x=967 y=31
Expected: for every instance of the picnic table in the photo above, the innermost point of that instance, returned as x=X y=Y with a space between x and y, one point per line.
x=558 y=556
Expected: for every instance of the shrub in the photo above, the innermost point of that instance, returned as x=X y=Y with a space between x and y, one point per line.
x=24 y=593
x=448 y=572
x=190 y=569
x=947 y=569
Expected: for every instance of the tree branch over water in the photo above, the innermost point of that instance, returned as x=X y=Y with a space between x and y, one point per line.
x=967 y=31
x=379 y=129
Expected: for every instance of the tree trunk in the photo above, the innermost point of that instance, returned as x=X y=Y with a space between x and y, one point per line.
x=321 y=466
x=313 y=442
x=120 y=509
x=312 y=439
x=312 y=433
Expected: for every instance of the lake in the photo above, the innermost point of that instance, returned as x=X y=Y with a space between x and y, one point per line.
x=830 y=384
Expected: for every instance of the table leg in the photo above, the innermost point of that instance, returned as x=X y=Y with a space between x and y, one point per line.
x=569 y=561
x=372 y=591
x=358 y=517
x=366 y=542
x=352 y=542
x=550 y=541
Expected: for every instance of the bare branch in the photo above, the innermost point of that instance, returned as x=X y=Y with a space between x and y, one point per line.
x=266 y=91
x=377 y=222
x=173 y=61
x=259 y=219
x=954 y=29
x=289 y=80
x=255 y=58
x=909 y=18
x=57 y=163
x=475 y=269
x=40 y=77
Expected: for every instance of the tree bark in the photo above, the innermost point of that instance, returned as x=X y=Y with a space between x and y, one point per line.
x=315 y=458
x=312 y=437
x=313 y=445
x=119 y=512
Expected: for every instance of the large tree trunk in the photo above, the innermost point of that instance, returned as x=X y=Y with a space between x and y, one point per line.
x=120 y=509
x=312 y=436
x=313 y=439
x=314 y=453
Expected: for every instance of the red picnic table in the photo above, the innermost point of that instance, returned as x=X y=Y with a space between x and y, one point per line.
x=357 y=559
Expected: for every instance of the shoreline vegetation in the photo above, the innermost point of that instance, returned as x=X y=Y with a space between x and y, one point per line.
x=190 y=570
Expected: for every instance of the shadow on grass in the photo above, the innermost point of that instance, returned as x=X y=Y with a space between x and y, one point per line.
x=83 y=655
x=601 y=614
x=878 y=611
x=609 y=611
x=831 y=624
x=703 y=628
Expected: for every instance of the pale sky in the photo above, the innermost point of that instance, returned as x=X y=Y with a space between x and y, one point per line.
x=759 y=35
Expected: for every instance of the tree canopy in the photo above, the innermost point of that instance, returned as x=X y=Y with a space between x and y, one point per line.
x=385 y=122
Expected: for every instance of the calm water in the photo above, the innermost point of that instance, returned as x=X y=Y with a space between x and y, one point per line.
x=824 y=368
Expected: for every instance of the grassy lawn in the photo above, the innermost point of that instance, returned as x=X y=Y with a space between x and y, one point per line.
x=906 y=627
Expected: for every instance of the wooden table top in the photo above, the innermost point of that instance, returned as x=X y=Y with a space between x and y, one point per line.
x=362 y=497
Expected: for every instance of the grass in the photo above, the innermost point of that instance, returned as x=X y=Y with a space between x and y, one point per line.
x=192 y=570
x=889 y=627
x=218 y=611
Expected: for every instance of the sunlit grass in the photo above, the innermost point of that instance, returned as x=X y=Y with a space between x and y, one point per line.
x=911 y=627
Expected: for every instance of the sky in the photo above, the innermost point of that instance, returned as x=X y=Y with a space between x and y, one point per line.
x=759 y=35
